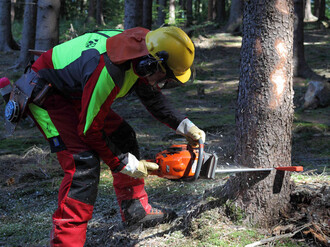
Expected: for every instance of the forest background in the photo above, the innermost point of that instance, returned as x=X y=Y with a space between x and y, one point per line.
x=30 y=175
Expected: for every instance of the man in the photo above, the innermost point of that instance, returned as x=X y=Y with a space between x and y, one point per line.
x=85 y=75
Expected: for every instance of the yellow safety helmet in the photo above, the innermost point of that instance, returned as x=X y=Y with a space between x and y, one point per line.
x=179 y=47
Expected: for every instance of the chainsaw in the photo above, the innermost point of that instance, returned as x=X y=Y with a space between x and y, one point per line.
x=185 y=163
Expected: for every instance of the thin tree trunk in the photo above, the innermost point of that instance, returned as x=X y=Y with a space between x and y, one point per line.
x=319 y=9
x=133 y=15
x=210 y=10
x=189 y=13
x=161 y=12
x=91 y=11
x=63 y=12
x=47 y=33
x=300 y=66
x=12 y=11
x=99 y=13
x=147 y=14
x=7 y=42
x=221 y=11
x=309 y=17
x=264 y=112
x=28 y=33
x=171 y=19
x=235 y=17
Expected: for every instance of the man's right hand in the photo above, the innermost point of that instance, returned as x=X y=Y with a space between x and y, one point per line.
x=139 y=169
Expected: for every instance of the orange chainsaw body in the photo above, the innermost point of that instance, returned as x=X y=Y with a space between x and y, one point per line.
x=178 y=161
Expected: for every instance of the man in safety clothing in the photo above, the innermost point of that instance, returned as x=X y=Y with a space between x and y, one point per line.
x=86 y=75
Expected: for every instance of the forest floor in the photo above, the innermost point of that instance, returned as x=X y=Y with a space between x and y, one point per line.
x=30 y=175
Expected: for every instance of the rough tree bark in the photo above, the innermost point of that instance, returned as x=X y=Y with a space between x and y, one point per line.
x=133 y=13
x=47 y=33
x=7 y=42
x=28 y=33
x=147 y=14
x=264 y=110
x=235 y=17
x=161 y=12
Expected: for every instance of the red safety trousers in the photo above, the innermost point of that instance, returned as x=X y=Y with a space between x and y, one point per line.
x=77 y=192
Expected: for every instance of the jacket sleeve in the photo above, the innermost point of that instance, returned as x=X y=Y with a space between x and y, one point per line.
x=158 y=105
x=98 y=95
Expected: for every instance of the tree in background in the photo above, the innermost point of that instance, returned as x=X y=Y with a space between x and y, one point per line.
x=7 y=41
x=161 y=12
x=221 y=11
x=91 y=11
x=264 y=112
x=235 y=17
x=189 y=9
x=28 y=33
x=99 y=13
x=171 y=12
x=133 y=13
x=147 y=14
x=309 y=17
x=47 y=32
x=300 y=66
x=319 y=9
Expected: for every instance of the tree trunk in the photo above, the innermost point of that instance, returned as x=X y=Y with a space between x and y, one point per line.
x=235 y=17
x=189 y=13
x=28 y=33
x=7 y=42
x=265 y=110
x=161 y=12
x=210 y=10
x=171 y=18
x=197 y=9
x=47 y=33
x=147 y=14
x=99 y=13
x=12 y=11
x=133 y=15
x=300 y=66
x=63 y=10
x=221 y=11
x=91 y=11
x=309 y=17
x=319 y=9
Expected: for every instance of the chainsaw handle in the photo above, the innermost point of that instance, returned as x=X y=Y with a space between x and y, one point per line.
x=200 y=159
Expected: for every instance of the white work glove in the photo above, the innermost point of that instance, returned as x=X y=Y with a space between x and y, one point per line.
x=138 y=169
x=191 y=132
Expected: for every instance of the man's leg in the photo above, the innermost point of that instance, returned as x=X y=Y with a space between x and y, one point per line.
x=81 y=168
x=131 y=195
x=77 y=195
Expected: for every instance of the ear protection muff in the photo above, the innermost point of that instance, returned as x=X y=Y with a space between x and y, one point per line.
x=149 y=65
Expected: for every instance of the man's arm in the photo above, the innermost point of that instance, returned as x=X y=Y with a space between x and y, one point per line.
x=158 y=105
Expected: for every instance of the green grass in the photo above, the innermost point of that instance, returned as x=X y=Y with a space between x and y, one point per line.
x=311 y=177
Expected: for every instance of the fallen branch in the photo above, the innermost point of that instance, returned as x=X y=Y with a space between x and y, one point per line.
x=287 y=235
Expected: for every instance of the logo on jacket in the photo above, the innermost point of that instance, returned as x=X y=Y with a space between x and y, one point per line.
x=91 y=43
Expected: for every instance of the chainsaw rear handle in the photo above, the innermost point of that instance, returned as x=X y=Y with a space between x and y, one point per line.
x=200 y=159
